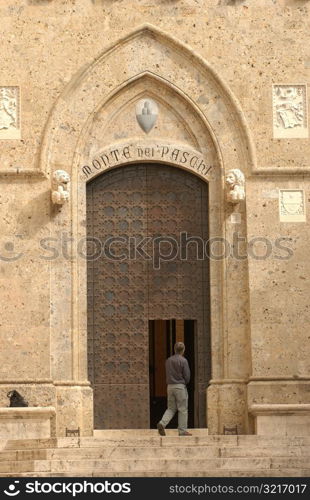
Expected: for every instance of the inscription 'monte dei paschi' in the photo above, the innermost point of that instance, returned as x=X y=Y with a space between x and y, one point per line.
x=132 y=153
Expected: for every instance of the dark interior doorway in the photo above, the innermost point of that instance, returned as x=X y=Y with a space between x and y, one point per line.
x=163 y=334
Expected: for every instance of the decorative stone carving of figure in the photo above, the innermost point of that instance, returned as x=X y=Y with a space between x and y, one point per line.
x=7 y=109
x=60 y=190
x=289 y=108
x=235 y=186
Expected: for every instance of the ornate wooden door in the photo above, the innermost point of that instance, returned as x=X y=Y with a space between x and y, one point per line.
x=135 y=214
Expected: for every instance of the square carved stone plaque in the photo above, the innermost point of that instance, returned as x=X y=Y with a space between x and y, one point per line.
x=292 y=205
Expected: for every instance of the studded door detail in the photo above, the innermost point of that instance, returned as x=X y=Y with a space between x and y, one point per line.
x=128 y=285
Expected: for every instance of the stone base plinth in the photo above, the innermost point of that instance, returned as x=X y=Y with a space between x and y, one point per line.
x=281 y=419
x=72 y=401
x=226 y=400
x=27 y=422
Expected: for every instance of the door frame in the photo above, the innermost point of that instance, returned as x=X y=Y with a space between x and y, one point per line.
x=218 y=125
x=185 y=181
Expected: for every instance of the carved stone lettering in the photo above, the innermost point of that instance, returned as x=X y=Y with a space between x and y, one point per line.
x=138 y=152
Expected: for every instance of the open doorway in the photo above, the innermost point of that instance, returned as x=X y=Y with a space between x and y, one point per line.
x=163 y=334
x=142 y=202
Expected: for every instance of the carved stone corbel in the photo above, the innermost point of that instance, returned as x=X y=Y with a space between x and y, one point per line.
x=235 y=181
x=60 y=187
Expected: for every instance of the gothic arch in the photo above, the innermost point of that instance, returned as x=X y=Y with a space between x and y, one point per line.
x=146 y=48
x=137 y=65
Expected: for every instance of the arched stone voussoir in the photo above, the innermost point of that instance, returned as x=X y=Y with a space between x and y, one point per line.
x=146 y=50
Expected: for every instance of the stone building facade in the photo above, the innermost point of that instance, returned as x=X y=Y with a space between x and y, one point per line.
x=95 y=95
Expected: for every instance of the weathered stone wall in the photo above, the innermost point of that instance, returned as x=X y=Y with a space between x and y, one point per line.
x=25 y=209
x=251 y=44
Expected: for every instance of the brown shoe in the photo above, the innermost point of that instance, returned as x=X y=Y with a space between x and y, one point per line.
x=185 y=434
x=161 y=429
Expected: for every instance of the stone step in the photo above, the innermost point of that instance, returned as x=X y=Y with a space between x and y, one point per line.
x=121 y=433
x=177 y=464
x=125 y=452
x=168 y=441
x=23 y=455
x=210 y=440
x=25 y=466
x=249 y=441
x=164 y=452
x=197 y=473
x=121 y=453
x=160 y=465
x=22 y=444
x=259 y=451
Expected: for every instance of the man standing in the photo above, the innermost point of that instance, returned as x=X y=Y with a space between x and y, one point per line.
x=178 y=376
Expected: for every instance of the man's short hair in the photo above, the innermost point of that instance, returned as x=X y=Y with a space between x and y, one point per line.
x=179 y=348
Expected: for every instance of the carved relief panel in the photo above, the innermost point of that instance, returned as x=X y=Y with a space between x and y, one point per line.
x=292 y=205
x=290 y=114
x=9 y=113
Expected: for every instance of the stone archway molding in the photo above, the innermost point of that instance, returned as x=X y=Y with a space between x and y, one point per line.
x=77 y=136
x=183 y=68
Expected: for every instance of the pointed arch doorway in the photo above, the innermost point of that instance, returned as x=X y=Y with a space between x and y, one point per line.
x=148 y=286
x=96 y=114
